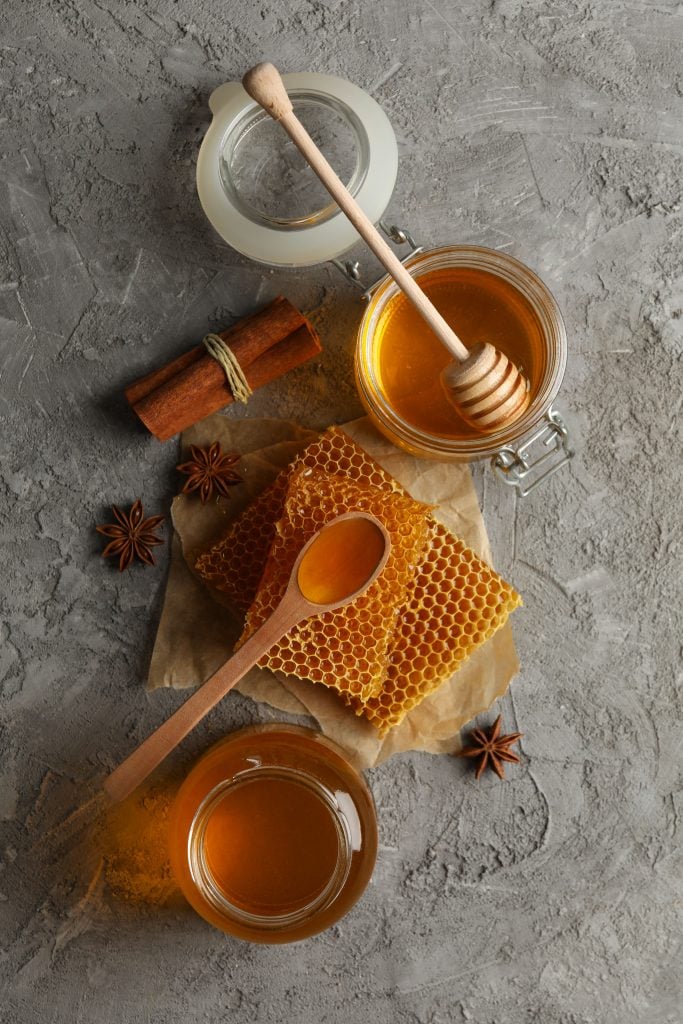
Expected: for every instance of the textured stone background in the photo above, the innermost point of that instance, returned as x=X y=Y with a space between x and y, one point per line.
x=551 y=130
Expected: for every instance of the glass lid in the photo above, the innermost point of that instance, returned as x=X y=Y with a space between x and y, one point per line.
x=259 y=193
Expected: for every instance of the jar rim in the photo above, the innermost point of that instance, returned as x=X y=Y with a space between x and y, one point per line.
x=544 y=305
x=276 y=745
x=208 y=885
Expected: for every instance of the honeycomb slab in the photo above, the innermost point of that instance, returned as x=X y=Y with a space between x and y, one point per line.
x=346 y=649
x=234 y=564
x=453 y=604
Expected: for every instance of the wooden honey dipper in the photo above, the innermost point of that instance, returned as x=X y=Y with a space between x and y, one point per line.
x=487 y=389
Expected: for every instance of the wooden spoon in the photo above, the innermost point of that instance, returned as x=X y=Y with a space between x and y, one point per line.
x=334 y=567
x=485 y=386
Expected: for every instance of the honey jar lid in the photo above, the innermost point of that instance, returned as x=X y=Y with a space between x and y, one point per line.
x=261 y=196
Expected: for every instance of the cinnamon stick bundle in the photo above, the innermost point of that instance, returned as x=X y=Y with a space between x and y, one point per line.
x=266 y=345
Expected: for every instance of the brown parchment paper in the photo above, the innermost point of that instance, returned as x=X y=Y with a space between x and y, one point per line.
x=197 y=630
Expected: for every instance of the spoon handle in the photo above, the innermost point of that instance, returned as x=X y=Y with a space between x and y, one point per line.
x=264 y=84
x=142 y=762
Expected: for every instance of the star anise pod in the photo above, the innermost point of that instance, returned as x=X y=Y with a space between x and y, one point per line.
x=492 y=749
x=133 y=536
x=209 y=470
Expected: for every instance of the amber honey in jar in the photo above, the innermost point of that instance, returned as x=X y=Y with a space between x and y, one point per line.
x=273 y=834
x=484 y=295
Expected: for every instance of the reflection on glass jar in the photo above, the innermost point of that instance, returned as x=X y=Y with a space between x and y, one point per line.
x=273 y=834
x=486 y=296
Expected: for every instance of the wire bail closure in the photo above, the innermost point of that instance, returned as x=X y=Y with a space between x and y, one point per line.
x=519 y=468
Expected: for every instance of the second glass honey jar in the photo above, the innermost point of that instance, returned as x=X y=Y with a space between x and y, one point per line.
x=273 y=834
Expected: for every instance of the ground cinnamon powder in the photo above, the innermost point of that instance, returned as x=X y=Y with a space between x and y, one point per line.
x=132 y=840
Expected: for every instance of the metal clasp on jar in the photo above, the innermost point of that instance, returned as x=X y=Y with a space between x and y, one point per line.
x=351 y=268
x=520 y=468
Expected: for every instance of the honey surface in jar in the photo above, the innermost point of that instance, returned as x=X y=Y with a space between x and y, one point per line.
x=409 y=358
x=271 y=845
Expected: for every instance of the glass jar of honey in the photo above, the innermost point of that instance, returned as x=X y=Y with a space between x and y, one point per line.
x=487 y=295
x=273 y=834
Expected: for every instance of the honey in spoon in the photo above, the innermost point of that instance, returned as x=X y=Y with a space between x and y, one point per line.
x=341 y=559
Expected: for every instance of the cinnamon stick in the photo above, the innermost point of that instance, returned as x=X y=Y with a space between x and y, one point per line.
x=266 y=344
x=248 y=339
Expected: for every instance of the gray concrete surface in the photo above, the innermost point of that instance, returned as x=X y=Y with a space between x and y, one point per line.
x=551 y=130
